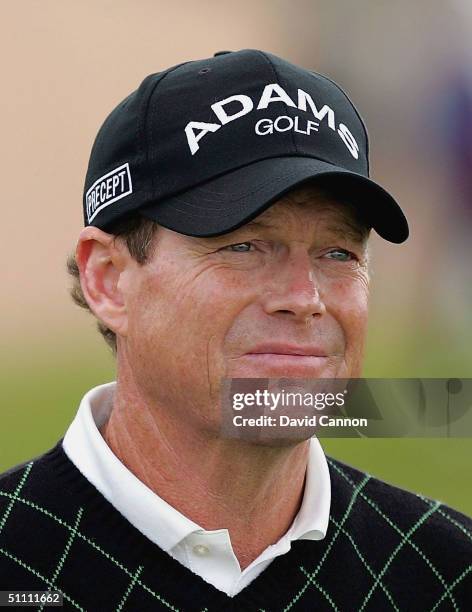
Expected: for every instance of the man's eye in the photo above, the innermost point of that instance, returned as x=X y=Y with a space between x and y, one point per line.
x=340 y=255
x=240 y=247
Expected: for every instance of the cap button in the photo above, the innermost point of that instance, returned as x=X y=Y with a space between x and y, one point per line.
x=221 y=53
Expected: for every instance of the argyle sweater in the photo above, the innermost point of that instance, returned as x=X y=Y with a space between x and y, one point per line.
x=385 y=549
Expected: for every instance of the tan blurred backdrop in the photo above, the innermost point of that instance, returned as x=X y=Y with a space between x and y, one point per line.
x=65 y=65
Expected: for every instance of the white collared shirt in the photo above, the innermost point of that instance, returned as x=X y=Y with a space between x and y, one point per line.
x=208 y=554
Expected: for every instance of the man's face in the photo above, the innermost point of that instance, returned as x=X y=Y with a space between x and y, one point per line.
x=243 y=304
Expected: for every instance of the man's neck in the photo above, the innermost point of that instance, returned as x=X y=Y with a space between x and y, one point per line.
x=254 y=491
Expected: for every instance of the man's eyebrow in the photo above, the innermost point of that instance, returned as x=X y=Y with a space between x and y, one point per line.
x=354 y=232
x=348 y=230
x=257 y=224
x=250 y=227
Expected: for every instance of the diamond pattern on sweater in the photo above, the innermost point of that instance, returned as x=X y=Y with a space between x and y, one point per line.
x=386 y=549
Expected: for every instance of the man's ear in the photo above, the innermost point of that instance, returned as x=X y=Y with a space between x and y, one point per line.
x=101 y=261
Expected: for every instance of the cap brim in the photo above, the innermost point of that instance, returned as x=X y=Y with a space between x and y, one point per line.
x=233 y=199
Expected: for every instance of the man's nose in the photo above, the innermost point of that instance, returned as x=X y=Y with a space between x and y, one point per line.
x=295 y=291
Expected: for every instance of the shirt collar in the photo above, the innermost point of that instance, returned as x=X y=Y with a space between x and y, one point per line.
x=153 y=516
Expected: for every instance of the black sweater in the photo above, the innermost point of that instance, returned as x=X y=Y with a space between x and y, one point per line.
x=385 y=549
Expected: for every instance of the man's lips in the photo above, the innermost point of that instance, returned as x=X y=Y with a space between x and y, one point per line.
x=287 y=349
x=282 y=358
x=284 y=364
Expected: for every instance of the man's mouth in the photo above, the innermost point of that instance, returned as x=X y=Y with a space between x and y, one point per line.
x=281 y=359
x=293 y=350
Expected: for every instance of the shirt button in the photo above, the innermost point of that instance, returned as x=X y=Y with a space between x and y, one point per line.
x=201 y=550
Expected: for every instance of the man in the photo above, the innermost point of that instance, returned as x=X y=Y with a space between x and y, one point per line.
x=227 y=208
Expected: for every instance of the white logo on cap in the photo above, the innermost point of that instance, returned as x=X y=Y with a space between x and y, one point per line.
x=108 y=189
x=273 y=92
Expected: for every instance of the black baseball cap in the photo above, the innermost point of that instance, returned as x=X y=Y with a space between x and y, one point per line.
x=205 y=146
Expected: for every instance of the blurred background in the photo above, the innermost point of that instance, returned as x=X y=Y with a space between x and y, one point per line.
x=406 y=65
